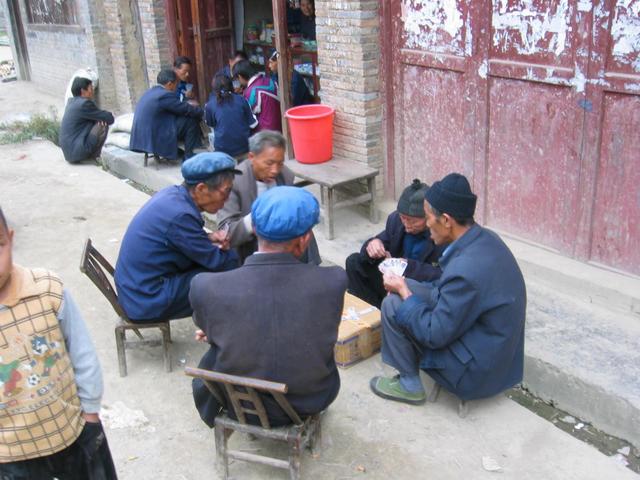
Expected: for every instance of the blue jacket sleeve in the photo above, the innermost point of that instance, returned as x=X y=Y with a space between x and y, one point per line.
x=186 y=235
x=82 y=354
x=456 y=309
x=171 y=104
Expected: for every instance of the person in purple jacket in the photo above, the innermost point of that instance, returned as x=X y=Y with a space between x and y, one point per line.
x=261 y=91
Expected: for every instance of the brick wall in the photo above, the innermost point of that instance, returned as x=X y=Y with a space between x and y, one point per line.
x=154 y=31
x=56 y=51
x=348 y=58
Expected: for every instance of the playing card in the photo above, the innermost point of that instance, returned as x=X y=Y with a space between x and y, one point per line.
x=396 y=266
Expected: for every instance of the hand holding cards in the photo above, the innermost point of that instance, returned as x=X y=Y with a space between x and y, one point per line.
x=397 y=266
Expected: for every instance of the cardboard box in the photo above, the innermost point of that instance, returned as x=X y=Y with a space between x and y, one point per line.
x=360 y=332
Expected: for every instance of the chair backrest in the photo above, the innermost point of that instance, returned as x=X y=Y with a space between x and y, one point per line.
x=100 y=271
x=243 y=395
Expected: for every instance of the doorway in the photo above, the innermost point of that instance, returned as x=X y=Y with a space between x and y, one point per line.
x=203 y=31
x=19 y=40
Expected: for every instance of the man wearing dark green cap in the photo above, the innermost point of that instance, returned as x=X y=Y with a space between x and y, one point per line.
x=465 y=330
x=165 y=245
x=405 y=236
x=275 y=318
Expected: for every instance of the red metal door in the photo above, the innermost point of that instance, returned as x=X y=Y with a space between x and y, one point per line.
x=213 y=33
x=536 y=101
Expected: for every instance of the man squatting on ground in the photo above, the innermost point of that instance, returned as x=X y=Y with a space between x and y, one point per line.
x=161 y=120
x=84 y=126
x=405 y=236
x=165 y=245
x=51 y=379
x=296 y=307
x=466 y=330
x=263 y=170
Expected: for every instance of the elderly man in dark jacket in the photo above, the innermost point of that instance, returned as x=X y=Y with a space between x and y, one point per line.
x=84 y=126
x=161 y=120
x=275 y=318
x=405 y=236
x=467 y=329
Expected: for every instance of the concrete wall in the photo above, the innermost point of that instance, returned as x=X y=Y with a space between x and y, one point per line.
x=349 y=57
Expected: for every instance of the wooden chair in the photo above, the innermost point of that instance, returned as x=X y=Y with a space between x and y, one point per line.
x=100 y=271
x=244 y=398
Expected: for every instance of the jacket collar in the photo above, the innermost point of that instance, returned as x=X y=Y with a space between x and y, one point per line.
x=460 y=244
x=272 y=259
x=20 y=287
x=254 y=78
x=187 y=196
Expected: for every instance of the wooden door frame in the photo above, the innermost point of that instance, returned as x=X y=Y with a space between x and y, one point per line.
x=19 y=39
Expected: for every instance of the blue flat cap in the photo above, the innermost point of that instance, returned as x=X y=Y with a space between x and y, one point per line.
x=203 y=166
x=284 y=213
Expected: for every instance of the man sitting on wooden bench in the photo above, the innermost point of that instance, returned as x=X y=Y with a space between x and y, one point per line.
x=275 y=318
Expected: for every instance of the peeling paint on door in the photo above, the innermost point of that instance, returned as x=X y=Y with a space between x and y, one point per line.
x=625 y=33
x=540 y=29
x=425 y=22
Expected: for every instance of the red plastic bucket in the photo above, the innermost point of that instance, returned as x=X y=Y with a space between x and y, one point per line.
x=311 y=129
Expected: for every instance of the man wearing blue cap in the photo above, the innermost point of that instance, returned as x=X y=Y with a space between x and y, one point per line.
x=466 y=330
x=275 y=318
x=165 y=245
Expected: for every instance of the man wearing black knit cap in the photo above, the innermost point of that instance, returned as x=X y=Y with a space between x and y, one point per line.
x=405 y=236
x=465 y=330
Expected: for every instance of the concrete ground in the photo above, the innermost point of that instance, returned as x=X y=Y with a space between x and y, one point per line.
x=152 y=426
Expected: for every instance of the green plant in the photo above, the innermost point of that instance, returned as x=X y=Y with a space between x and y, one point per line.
x=39 y=126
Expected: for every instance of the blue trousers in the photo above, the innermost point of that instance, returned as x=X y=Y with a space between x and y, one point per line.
x=177 y=289
x=399 y=348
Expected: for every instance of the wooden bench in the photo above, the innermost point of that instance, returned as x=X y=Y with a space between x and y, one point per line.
x=336 y=173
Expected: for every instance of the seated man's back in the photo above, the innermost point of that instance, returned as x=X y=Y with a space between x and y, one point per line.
x=160 y=120
x=275 y=318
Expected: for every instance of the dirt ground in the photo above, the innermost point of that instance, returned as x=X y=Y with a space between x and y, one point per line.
x=152 y=426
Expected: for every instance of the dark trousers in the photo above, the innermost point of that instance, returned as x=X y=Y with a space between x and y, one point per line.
x=88 y=458
x=177 y=289
x=97 y=137
x=399 y=348
x=189 y=132
x=365 y=280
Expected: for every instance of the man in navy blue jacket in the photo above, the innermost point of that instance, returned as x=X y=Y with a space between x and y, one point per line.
x=161 y=120
x=405 y=236
x=465 y=330
x=165 y=245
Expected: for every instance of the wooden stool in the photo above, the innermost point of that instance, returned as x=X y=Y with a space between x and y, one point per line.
x=463 y=406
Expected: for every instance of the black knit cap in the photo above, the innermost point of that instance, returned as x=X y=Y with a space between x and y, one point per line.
x=411 y=202
x=452 y=195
